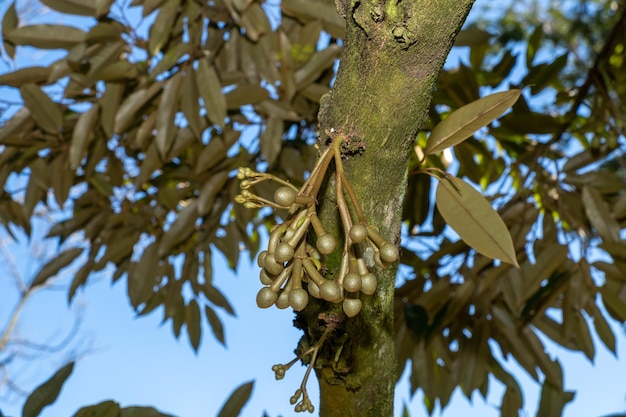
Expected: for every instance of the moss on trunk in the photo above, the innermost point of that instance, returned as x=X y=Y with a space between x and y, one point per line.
x=393 y=53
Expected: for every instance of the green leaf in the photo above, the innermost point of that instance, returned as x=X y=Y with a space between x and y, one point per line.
x=160 y=31
x=35 y=75
x=462 y=123
x=165 y=114
x=244 y=94
x=534 y=43
x=102 y=7
x=43 y=110
x=141 y=279
x=74 y=7
x=210 y=90
x=215 y=323
x=55 y=265
x=193 y=320
x=46 y=393
x=190 y=104
x=319 y=62
x=604 y=330
x=271 y=139
x=236 y=401
x=82 y=135
x=216 y=297
x=599 y=215
x=473 y=218
x=9 y=23
x=613 y=302
x=46 y=36
x=104 y=409
x=142 y=412
x=125 y=116
x=472 y=36
x=553 y=401
x=180 y=229
x=209 y=192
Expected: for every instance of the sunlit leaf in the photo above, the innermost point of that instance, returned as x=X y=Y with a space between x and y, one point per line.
x=46 y=393
x=462 y=123
x=237 y=400
x=473 y=218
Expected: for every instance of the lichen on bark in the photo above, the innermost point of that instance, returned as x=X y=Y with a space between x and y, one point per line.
x=394 y=51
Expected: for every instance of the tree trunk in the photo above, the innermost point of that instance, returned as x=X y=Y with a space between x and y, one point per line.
x=393 y=54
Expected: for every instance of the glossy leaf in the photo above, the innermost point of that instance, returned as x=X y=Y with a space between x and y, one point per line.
x=473 y=218
x=237 y=400
x=46 y=393
x=462 y=123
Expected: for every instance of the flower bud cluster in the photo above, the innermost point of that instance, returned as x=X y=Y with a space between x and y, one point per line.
x=291 y=268
x=292 y=265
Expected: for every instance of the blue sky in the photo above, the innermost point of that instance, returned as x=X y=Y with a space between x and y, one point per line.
x=137 y=361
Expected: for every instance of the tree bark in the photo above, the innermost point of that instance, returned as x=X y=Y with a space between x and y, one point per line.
x=394 y=51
